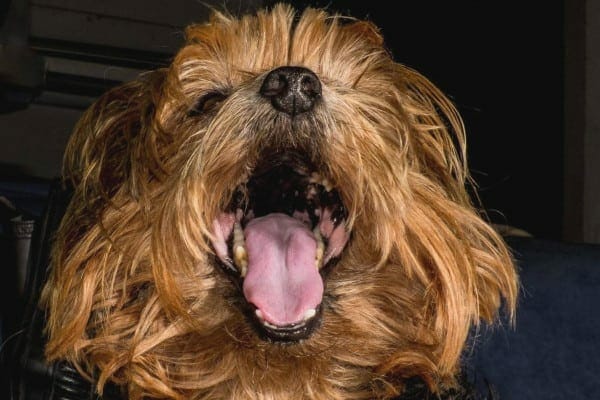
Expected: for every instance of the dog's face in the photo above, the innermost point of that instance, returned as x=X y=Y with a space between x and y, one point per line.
x=281 y=213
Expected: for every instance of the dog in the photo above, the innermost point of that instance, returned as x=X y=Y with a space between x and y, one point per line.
x=281 y=213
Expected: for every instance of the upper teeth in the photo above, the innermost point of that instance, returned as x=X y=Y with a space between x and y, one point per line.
x=315 y=177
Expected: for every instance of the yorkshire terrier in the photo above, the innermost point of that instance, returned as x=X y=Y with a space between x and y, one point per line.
x=282 y=213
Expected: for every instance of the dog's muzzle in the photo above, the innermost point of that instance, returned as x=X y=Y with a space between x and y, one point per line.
x=292 y=90
x=285 y=225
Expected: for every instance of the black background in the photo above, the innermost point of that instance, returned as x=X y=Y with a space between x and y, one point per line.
x=501 y=63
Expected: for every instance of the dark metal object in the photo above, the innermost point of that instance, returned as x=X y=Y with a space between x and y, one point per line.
x=122 y=57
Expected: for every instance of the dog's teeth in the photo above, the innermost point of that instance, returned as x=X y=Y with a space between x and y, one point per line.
x=320 y=247
x=240 y=255
x=261 y=318
x=315 y=177
x=268 y=325
x=238 y=233
x=259 y=314
x=309 y=314
x=241 y=259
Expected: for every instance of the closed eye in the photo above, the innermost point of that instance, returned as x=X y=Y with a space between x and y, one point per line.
x=207 y=102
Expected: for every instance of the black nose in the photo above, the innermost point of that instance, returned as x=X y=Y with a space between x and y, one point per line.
x=292 y=90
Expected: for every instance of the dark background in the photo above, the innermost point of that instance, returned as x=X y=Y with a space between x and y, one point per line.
x=502 y=64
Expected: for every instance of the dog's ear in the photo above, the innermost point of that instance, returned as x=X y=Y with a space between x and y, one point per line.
x=112 y=145
x=443 y=239
x=101 y=154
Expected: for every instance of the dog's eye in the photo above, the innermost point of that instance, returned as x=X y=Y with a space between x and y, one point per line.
x=207 y=102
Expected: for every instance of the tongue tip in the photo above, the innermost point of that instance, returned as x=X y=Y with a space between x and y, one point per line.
x=287 y=309
x=284 y=306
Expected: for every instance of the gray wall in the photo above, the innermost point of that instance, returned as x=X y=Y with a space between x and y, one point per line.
x=33 y=139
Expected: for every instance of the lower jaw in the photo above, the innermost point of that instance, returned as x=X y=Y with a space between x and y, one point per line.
x=288 y=334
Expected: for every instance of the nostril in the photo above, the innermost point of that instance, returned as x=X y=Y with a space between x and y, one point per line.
x=274 y=85
x=292 y=90
x=310 y=85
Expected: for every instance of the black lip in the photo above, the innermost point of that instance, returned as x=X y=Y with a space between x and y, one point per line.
x=286 y=334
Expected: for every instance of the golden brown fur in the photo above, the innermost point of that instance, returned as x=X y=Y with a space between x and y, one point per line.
x=134 y=295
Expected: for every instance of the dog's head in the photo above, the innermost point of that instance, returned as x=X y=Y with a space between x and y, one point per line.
x=281 y=213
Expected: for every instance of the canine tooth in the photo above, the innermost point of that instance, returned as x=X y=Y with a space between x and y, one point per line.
x=320 y=247
x=319 y=257
x=241 y=259
x=309 y=314
x=240 y=255
x=327 y=185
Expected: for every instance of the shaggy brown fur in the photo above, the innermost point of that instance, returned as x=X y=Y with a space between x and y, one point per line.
x=136 y=294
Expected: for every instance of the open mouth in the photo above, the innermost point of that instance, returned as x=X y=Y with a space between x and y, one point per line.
x=283 y=228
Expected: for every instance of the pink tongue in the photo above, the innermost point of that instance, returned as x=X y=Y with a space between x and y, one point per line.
x=282 y=279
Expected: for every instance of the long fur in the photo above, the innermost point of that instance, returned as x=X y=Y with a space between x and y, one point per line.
x=134 y=296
